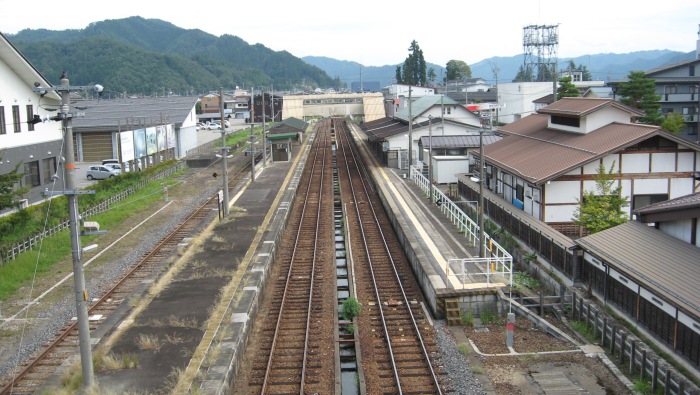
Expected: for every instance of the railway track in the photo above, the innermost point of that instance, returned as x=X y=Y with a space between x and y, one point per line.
x=299 y=338
x=396 y=346
x=297 y=356
x=33 y=374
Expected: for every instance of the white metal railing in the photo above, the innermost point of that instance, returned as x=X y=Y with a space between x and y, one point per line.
x=478 y=270
x=497 y=260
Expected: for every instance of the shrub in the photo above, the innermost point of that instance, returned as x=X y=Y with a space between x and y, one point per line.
x=350 y=309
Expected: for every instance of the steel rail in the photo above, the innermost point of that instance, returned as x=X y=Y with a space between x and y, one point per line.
x=362 y=169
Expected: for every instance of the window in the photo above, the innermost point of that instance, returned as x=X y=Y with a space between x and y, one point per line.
x=670 y=89
x=566 y=121
x=15 y=119
x=48 y=169
x=3 y=130
x=691 y=70
x=31 y=174
x=640 y=201
x=30 y=116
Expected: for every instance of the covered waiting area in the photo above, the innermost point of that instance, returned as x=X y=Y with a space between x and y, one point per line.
x=281 y=144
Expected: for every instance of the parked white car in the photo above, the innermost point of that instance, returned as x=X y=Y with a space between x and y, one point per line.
x=214 y=125
x=116 y=167
x=100 y=172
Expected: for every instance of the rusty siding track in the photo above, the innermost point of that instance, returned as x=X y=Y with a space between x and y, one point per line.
x=34 y=373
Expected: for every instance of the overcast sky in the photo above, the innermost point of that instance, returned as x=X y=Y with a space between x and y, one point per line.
x=379 y=32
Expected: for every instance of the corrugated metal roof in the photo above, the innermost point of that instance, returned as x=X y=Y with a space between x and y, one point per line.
x=458 y=141
x=123 y=114
x=422 y=104
x=652 y=258
x=582 y=106
x=529 y=140
x=282 y=136
x=296 y=123
x=679 y=203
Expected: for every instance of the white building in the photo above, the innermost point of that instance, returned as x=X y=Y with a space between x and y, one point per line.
x=518 y=98
x=547 y=160
x=34 y=147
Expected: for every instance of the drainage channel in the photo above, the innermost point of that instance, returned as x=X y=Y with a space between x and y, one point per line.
x=346 y=343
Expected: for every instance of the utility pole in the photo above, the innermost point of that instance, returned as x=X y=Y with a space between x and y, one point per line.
x=224 y=151
x=264 y=138
x=430 y=158
x=81 y=294
x=482 y=236
x=252 y=153
x=410 y=133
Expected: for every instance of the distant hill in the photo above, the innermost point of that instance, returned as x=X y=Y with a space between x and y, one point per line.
x=603 y=67
x=349 y=72
x=151 y=56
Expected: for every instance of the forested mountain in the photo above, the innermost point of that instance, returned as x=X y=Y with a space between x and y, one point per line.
x=140 y=56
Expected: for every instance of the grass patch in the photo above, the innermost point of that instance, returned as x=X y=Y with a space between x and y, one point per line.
x=463 y=348
x=522 y=279
x=584 y=329
x=467 y=318
x=148 y=342
x=642 y=387
x=19 y=272
x=488 y=317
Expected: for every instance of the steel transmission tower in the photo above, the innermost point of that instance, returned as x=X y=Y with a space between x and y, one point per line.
x=540 y=43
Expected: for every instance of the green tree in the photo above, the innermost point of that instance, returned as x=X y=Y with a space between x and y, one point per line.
x=9 y=194
x=602 y=209
x=673 y=123
x=432 y=75
x=457 y=70
x=524 y=75
x=585 y=74
x=640 y=92
x=567 y=88
x=414 y=67
x=399 y=78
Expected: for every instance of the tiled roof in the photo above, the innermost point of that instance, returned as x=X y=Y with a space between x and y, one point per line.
x=679 y=203
x=123 y=114
x=650 y=257
x=537 y=154
x=582 y=106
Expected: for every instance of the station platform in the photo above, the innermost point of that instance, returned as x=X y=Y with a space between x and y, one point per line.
x=201 y=316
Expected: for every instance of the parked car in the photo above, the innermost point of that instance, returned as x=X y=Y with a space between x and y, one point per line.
x=227 y=123
x=115 y=166
x=100 y=172
x=201 y=125
x=107 y=161
x=214 y=125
